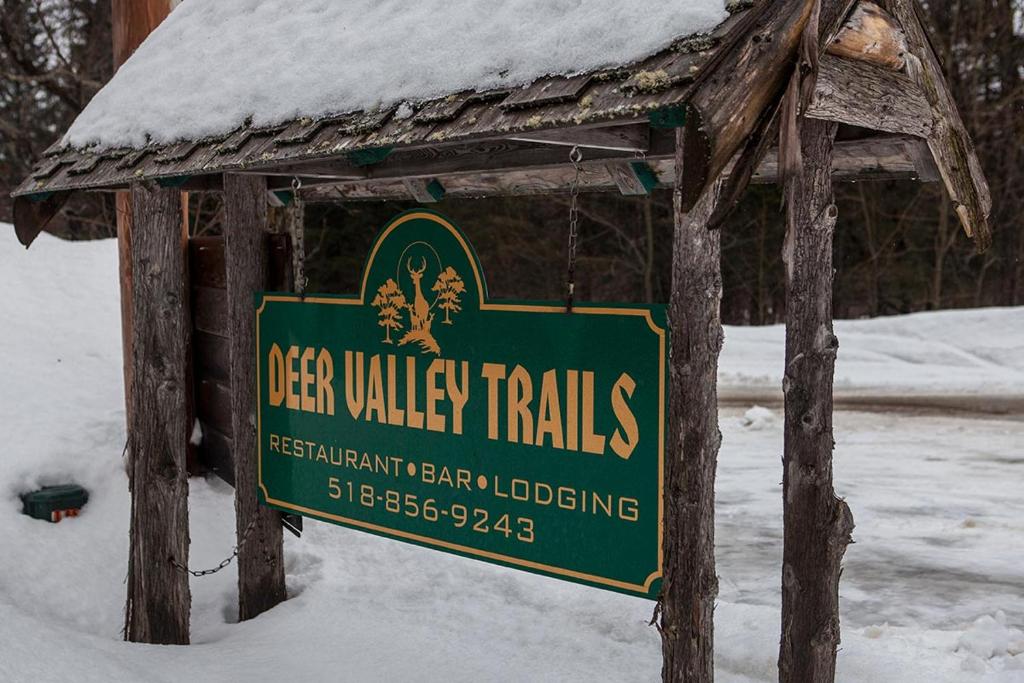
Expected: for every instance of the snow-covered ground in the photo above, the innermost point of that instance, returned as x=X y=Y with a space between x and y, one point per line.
x=933 y=589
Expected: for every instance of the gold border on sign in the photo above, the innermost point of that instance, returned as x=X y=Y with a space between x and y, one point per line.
x=484 y=306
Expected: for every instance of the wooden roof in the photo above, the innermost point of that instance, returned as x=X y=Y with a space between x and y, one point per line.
x=630 y=93
x=898 y=123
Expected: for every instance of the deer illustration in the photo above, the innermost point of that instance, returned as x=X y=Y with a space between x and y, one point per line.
x=419 y=311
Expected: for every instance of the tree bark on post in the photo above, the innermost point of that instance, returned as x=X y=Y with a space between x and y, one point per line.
x=690 y=585
x=159 y=601
x=261 y=557
x=131 y=22
x=817 y=523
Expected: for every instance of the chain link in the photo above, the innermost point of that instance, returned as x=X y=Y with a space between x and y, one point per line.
x=575 y=156
x=298 y=236
x=223 y=563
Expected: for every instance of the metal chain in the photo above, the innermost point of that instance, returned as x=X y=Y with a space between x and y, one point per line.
x=298 y=234
x=575 y=156
x=223 y=563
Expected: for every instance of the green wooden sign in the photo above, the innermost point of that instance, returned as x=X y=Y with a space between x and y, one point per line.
x=510 y=432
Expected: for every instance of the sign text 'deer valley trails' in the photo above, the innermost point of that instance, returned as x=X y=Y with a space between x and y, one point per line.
x=510 y=432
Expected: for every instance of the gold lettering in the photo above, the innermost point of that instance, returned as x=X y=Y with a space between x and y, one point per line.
x=396 y=416
x=275 y=374
x=435 y=421
x=375 y=391
x=458 y=395
x=549 y=419
x=536 y=493
x=624 y=447
x=524 y=489
x=414 y=417
x=291 y=377
x=572 y=400
x=306 y=380
x=629 y=509
x=494 y=372
x=354 y=383
x=566 y=498
x=520 y=393
x=592 y=442
x=324 y=377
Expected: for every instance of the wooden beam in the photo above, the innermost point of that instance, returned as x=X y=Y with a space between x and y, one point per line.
x=949 y=141
x=158 y=430
x=424 y=190
x=817 y=525
x=629 y=138
x=871 y=35
x=745 y=78
x=31 y=214
x=876 y=158
x=690 y=585
x=860 y=94
x=633 y=178
x=261 y=558
x=921 y=156
x=488 y=156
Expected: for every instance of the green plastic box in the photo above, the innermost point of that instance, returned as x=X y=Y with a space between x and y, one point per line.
x=54 y=503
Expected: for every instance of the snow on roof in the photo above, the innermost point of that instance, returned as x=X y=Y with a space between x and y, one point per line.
x=213 y=64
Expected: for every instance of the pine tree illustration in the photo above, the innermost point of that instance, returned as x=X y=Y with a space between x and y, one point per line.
x=390 y=301
x=449 y=287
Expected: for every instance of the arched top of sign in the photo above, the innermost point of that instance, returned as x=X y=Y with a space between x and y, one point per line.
x=431 y=242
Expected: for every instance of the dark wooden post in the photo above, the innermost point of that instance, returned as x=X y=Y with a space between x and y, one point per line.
x=690 y=585
x=261 y=558
x=817 y=524
x=158 y=432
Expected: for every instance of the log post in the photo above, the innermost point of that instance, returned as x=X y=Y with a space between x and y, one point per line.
x=159 y=601
x=261 y=558
x=817 y=524
x=131 y=22
x=690 y=585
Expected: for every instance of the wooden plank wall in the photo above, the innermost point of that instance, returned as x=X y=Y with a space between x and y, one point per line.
x=212 y=381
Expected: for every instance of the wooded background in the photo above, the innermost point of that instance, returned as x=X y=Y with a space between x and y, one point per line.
x=898 y=245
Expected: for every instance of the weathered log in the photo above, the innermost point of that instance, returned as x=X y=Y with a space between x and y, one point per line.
x=745 y=77
x=158 y=432
x=876 y=158
x=131 y=22
x=745 y=132
x=871 y=35
x=687 y=600
x=859 y=94
x=817 y=524
x=261 y=556
x=949 y=141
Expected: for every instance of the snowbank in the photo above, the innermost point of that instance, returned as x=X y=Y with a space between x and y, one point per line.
x=974 y=352
x=932 y=591
x=214 y=63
